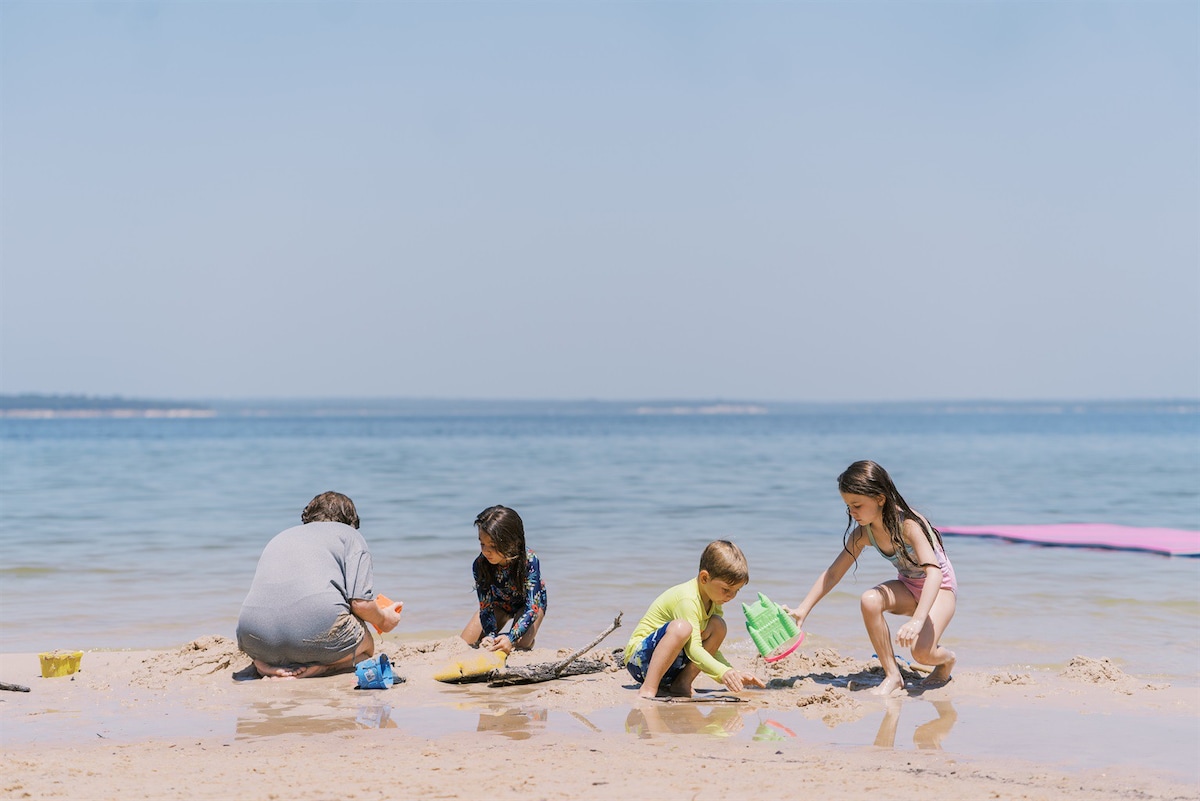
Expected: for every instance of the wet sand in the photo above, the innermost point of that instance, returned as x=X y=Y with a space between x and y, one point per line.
x=175 y=724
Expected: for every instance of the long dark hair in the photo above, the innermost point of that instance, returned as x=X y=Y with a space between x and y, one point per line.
x=507 y=531
x=869 y=479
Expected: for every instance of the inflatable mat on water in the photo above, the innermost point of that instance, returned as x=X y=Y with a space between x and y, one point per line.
x=1169 y=541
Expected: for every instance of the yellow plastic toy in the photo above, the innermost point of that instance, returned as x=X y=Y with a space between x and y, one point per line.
x=476 y=667
x=59 y=663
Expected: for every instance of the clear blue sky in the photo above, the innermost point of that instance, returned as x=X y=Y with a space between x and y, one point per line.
x=800 y=201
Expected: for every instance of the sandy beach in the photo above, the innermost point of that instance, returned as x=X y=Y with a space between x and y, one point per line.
x=175 y=724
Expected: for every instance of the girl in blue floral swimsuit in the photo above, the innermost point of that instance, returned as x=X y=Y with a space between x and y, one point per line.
x=508 y=581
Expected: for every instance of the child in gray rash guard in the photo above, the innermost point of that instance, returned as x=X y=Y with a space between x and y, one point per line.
x=312 y=596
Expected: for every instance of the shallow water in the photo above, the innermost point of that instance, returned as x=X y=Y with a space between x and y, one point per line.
x=144 y=533
x=1037 y=733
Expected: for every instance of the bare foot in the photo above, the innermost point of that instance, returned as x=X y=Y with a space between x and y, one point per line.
x=289 y=671
x=273 y=671
x=680 y=689
x=312 y=671
x=940 y=674
x=889 y=686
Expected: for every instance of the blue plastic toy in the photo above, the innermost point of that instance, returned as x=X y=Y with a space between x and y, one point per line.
x=375 y=674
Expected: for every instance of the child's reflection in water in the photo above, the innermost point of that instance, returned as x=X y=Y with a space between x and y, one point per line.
x=512 y=723
x=928 y=736
x=652 y=718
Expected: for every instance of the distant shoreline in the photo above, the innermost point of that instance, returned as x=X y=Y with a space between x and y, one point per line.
x=90 y=414
x=49 y=407
x=43 y=407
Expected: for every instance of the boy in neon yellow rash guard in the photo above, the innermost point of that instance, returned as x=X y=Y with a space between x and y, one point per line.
x=681 y=634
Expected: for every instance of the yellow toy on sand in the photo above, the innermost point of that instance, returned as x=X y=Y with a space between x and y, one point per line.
x=475 y=667
x=59 y=663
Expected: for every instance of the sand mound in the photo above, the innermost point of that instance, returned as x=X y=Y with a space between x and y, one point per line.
x=1094 y=671
x=201 y=657
x=832 y=705
x=1103 y=671
x=448 y=648
x=818 y=662
x=1008 y=677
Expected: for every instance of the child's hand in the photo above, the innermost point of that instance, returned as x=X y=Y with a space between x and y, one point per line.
x=736 y=681
x=497 y=643
x=383 y=618
x=796 y=616
x=908 y=633
x=750 y=680
x=391 y=616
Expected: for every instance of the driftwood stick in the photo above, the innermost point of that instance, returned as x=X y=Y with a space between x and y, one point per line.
x=533 y=674
x=560 y=666
x=547 y=671
x=16 y=688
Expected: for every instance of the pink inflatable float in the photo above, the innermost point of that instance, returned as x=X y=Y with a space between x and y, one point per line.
x=1169 y=541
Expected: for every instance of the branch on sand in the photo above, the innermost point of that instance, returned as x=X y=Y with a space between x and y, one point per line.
x=547 y=671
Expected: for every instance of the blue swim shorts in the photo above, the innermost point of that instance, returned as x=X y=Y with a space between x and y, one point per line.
x=640 y=660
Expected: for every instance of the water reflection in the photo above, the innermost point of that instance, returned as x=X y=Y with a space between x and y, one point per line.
x=650 y=719
x=516 y=724
x=268 y=719
x=771 y=729
x=927 y=736
x=645 y=720
x=375 y=717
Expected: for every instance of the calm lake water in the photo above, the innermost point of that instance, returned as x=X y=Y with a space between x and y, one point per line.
x=144 y=533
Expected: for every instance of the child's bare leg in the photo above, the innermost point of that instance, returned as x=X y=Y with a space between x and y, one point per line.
x=890 y=596
x=681 y=686
x=678 y=632
x=472 y=633
x=366 y=646
x=526 y=641
x=714 y=633
x=711 y=638
x=928 y=649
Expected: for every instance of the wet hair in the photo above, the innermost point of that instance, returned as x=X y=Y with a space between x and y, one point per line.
x=507 y=533
x=330 y=507
x=725 y=561
x=869 y=479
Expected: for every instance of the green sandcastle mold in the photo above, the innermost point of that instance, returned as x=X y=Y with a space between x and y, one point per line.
x=769 y=626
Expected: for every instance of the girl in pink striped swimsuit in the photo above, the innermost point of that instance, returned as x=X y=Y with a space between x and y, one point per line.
x=925 y=587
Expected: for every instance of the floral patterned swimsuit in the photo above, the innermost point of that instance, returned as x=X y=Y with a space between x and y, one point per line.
x=506 y=597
